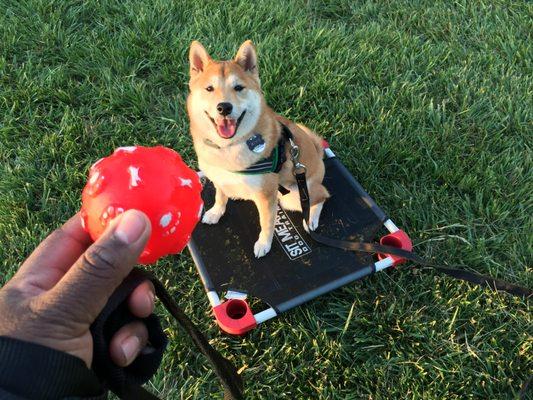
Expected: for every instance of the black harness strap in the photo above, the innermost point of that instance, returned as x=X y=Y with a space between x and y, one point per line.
x=283 y=190
x=286 y=132
x=457 y=273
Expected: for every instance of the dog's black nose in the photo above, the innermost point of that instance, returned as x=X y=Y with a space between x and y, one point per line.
x=224 y=108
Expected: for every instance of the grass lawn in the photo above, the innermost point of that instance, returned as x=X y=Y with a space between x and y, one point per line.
x=429 y=104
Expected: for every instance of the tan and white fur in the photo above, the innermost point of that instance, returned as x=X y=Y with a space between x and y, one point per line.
x=226 y=107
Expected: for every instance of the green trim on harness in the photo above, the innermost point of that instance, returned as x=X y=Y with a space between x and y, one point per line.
x=271 y=164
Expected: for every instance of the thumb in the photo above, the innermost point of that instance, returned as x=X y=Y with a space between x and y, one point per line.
x=84 y=290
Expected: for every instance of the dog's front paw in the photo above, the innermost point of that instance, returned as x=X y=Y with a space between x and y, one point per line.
x=212 y=216
x=262 y=247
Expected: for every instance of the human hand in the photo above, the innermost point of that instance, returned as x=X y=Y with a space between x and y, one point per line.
x=65 y=283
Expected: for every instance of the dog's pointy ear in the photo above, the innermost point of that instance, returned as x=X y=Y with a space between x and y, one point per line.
x=247 y=58
x=198 y=58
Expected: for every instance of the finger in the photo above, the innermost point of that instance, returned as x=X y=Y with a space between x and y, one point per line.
x=84 y=290
x=141 y=301
x=127 y=343
x=54 y=256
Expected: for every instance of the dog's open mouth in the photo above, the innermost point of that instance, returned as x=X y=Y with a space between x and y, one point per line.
x=226 y=127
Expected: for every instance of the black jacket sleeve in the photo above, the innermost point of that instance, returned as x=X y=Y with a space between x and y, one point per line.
x=35 y=372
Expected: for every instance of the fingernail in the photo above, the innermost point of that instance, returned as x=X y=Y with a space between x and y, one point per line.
x=151 y=299
x=130 y=348
x=130 y=227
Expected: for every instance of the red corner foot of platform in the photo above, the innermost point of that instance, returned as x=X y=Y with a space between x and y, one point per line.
x=397 y=239
x=235 y=317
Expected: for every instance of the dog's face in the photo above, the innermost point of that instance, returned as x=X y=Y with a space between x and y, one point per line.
x=225 y=96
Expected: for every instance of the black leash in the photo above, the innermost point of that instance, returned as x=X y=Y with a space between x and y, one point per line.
x=299 y=171
x=126 y=382
x=225 y=370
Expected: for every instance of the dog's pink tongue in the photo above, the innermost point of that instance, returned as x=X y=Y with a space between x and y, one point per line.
x=226 y=127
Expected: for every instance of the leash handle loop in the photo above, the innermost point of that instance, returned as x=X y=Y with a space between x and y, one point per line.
x=126 y=382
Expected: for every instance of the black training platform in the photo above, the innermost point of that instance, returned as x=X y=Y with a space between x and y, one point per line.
x=296 y=269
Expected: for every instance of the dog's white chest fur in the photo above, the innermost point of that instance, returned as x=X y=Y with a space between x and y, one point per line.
x=236 y=186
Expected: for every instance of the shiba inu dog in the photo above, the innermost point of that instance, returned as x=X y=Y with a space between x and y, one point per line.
x=239 y=143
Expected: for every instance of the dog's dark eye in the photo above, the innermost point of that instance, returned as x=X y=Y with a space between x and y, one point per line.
x=238 y=88
x=210 y=88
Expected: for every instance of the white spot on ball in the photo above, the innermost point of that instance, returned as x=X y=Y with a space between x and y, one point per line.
x=173 y=229
x=186 y=182
x=165 y=220
x=127 y=149
x=94 y=178
x=134 y=176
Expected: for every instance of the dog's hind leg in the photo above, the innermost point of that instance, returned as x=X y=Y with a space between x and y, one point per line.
x=318 y=195
x=213 y=215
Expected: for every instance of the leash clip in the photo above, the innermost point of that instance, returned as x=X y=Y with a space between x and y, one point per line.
x=298 y=167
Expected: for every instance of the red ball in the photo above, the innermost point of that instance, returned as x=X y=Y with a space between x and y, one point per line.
x=153 y=180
